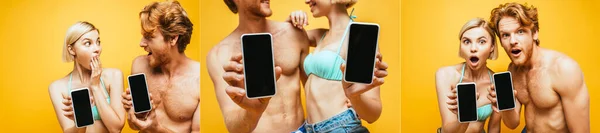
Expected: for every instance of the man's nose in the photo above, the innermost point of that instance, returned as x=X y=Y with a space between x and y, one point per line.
x=513 y=40
x=143 y=42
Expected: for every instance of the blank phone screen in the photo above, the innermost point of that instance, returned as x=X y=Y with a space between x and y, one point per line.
x=504 y=91
x=139 y=93
x=82 y=107
x=362 y=47
x=467 y=102
x=258 y=65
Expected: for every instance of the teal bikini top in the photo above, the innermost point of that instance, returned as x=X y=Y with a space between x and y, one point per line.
x=484 y=111
x=94 y=109
x=325 y=63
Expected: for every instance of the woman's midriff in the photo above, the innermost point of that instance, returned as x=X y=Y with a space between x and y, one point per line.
x=324 y=99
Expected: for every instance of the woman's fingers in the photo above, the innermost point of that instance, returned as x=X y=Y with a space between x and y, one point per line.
x=305 y=18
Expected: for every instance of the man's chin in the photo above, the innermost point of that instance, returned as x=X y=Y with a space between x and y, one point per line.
x=266 y=12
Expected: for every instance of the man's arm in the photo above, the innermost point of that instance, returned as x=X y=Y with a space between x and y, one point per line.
x=196 y=119
x=511 y=118
x=570 y=85
x=236 y=118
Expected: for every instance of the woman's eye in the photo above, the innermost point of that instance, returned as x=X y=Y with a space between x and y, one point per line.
x=86 y=43
x=466 y=41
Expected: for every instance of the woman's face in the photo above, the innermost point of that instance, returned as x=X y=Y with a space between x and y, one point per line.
x=87 y=47
x=476 y=47
x=319 y=7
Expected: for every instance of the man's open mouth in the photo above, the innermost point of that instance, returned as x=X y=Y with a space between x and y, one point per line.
x=515 y=51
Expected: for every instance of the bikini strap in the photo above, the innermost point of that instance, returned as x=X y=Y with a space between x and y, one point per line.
x=490 y=73
x=71 y=80
x=322 y=37
x=352 y=17
x=462 y=74
x=105 y=91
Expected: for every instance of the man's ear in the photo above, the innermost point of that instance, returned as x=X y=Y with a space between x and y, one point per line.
x=535 y=37
x=173 y=42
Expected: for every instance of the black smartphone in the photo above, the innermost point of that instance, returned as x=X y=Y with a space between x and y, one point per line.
x=362 y=50
x=259 y=65
x=139 y=93
x=467 y=102
x=82 y=107
x=504 y=91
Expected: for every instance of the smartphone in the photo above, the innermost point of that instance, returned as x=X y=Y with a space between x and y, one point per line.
x=362 y=50
x=259 y=65
x=139 y=93
x=82 y=107
x=467 y=102
x=504 y=91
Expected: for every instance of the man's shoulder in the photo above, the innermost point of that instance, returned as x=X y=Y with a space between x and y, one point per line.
x=194 y=67
x=559 y=61
x=285 y=29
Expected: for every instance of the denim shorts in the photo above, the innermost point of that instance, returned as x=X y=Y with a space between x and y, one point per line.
x=344 y=122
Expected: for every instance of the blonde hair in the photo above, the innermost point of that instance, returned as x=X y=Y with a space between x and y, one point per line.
x=526 y=15
x=73 y=34
x=348 y=3
x=170 y=19
x=480 y=23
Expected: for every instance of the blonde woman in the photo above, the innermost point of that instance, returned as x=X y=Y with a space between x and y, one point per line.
x=82 y=47
x=477 y=45
x=333 y=105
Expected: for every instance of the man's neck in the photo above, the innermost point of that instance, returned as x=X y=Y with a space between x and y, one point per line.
x=250 y=23
x=173 y=65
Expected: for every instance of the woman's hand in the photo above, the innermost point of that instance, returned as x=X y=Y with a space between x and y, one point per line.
x=299 y=19
x=353 y=89
x=68 y=109
x=452 y=102
x=96 y=72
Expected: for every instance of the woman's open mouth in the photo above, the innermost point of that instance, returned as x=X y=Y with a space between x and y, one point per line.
x=474 y=60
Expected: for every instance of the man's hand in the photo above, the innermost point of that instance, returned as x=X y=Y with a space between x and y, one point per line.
x=234 y=76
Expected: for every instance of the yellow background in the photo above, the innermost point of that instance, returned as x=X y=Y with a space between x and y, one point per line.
x=430 y=41
x=217 y=22
x=31 y=35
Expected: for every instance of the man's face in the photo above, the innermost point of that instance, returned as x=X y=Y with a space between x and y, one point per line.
x=517 y=41
x=260 y=8
x=157 y=49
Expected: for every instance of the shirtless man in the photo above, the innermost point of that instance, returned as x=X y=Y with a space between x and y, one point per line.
x=172 y=77
x=550 y=85
x=281 y=113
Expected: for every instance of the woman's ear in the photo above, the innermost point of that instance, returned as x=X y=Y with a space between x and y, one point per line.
x=71 y=50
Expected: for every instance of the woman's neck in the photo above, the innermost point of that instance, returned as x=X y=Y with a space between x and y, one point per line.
x=338 y=18
x=81 y=73
x=477 y=74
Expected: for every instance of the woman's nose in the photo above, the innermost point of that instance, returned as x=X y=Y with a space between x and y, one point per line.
x=473 y=48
